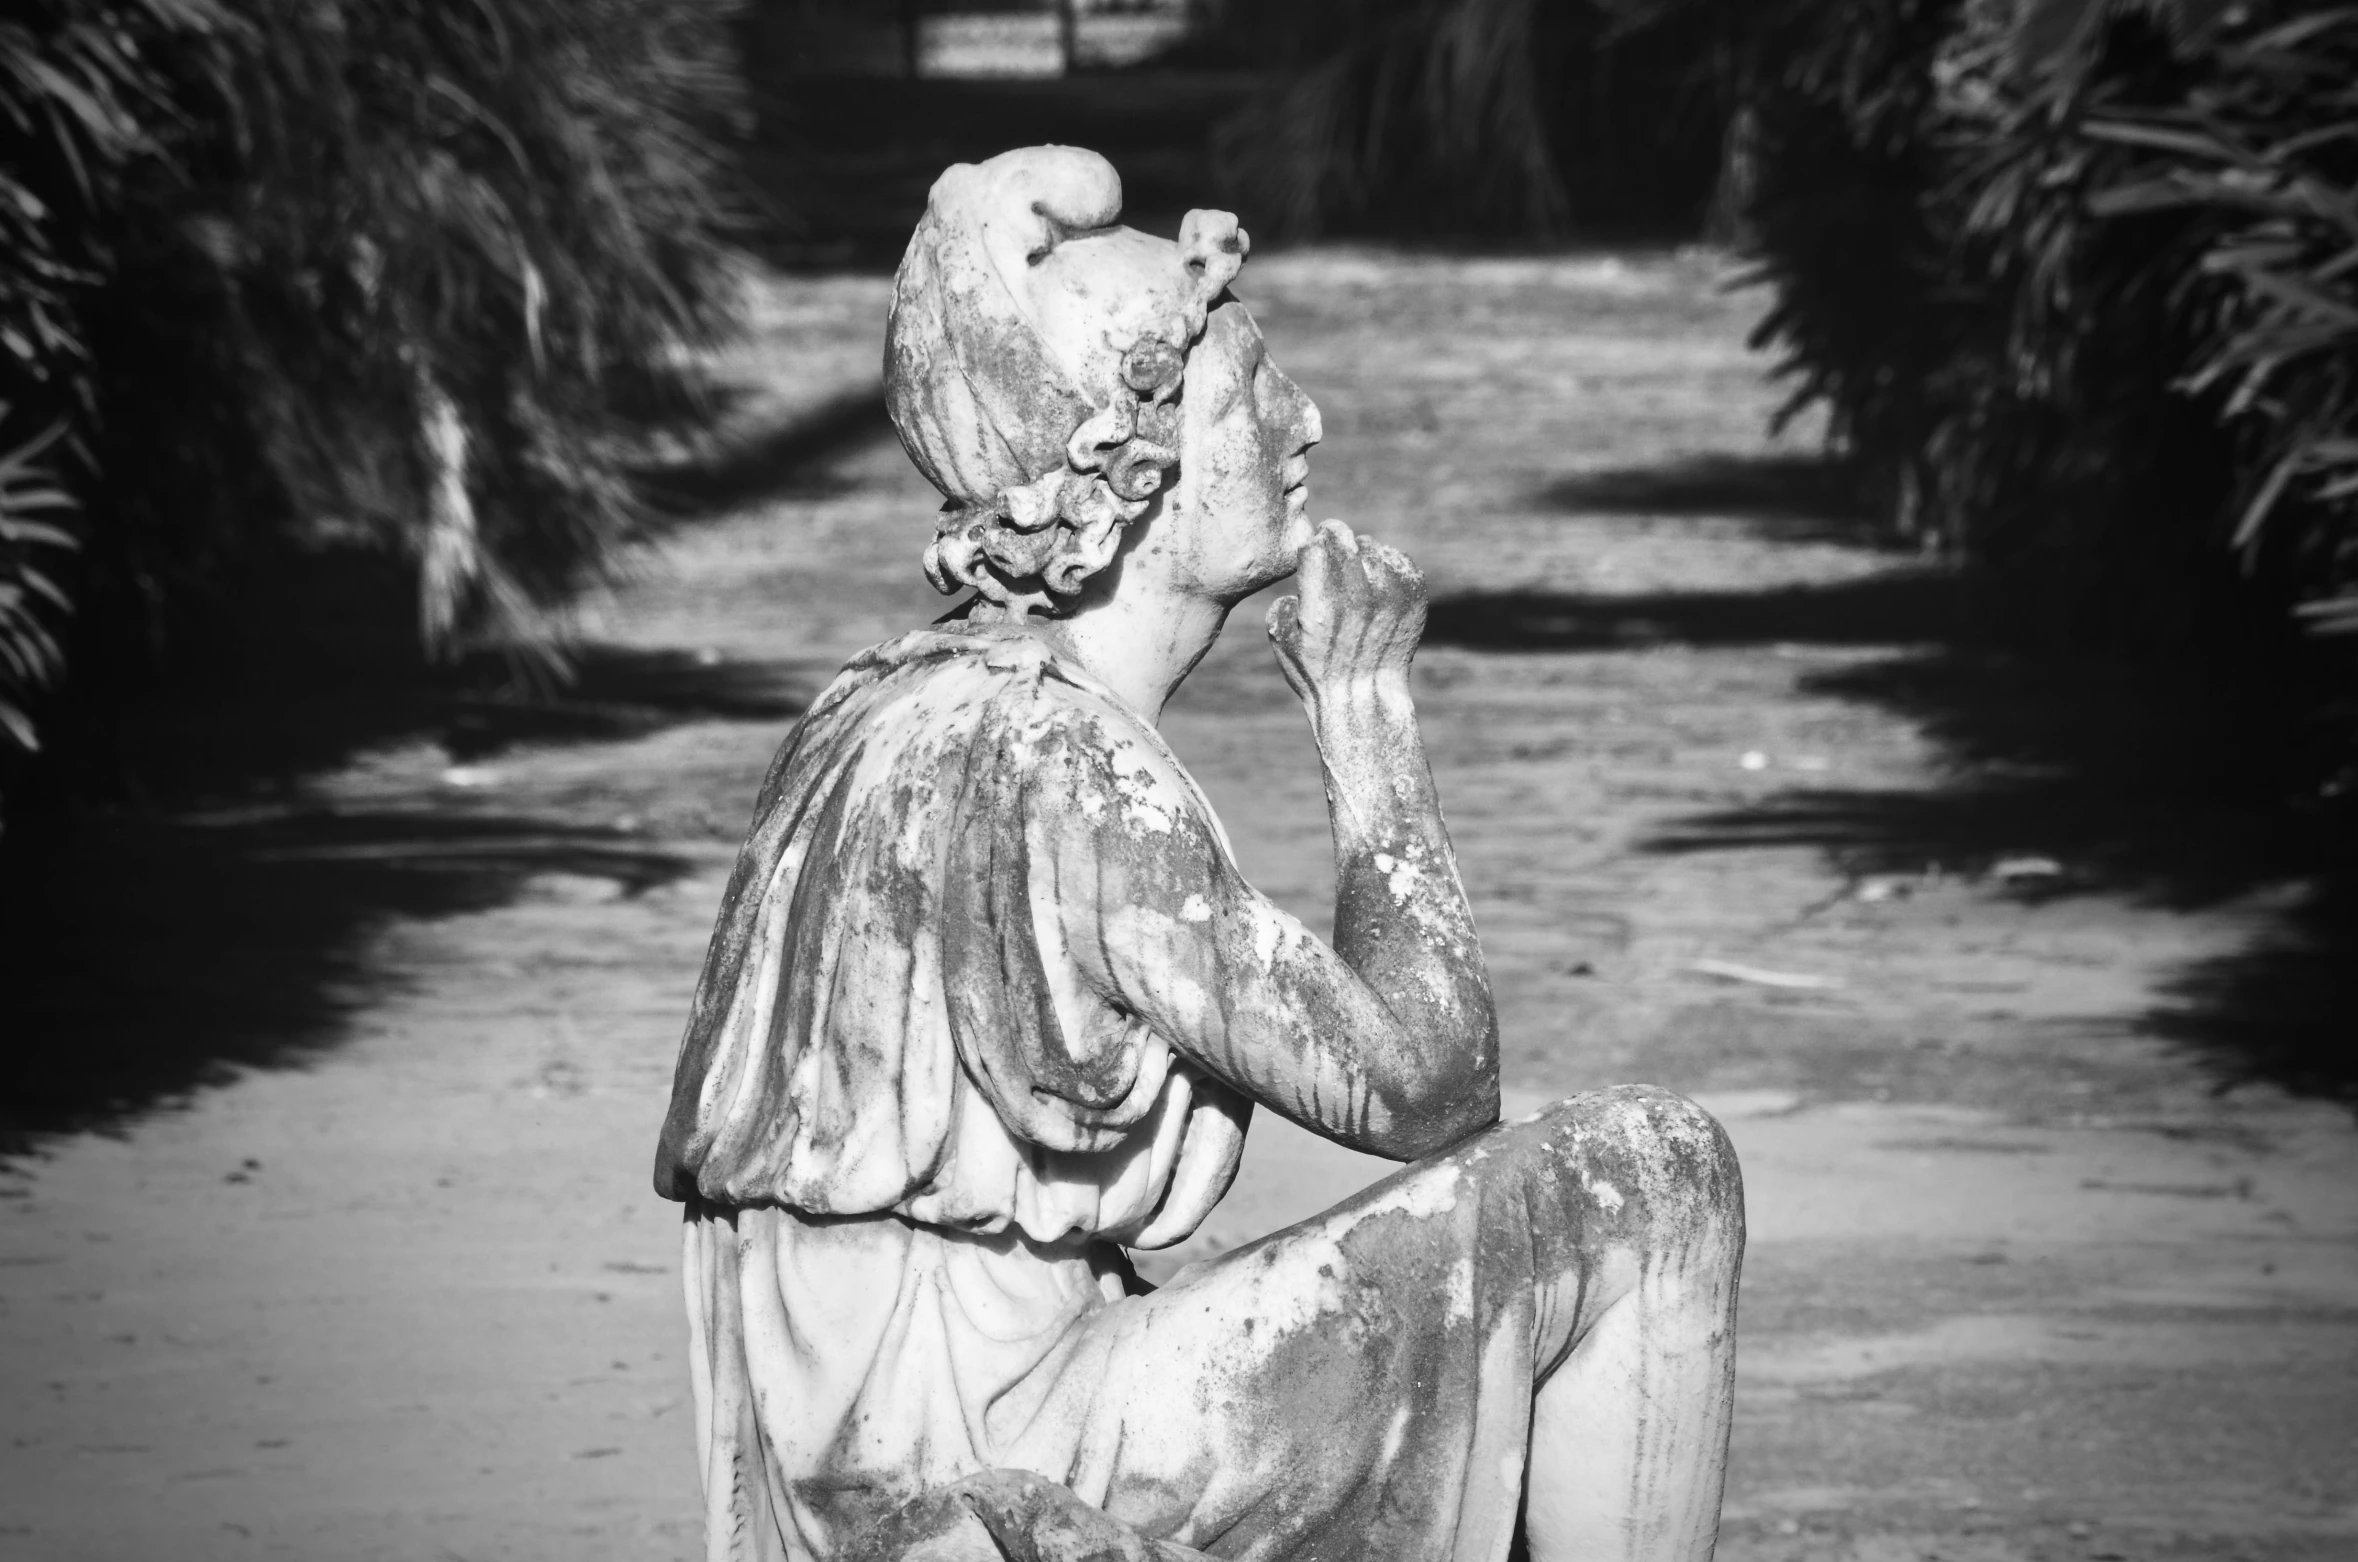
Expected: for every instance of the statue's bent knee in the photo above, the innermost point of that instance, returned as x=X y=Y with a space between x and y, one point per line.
x=1654 y=1169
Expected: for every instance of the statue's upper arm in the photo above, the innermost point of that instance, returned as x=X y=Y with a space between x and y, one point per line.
x=1157 y=919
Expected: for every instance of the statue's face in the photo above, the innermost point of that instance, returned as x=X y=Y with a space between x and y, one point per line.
x=1241 y=509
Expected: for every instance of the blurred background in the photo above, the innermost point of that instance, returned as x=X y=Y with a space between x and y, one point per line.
x=1888 y=471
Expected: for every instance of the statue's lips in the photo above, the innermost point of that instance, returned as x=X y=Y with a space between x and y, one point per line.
x=1297 y=483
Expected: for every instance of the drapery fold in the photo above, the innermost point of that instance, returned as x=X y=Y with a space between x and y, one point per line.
x=888 y=1020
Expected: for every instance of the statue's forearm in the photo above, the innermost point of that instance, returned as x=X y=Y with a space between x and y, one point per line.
x=1401 y=917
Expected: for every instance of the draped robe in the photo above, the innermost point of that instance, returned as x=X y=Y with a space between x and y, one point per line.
x=914 y=1141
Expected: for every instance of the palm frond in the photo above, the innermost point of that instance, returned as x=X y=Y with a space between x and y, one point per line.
x=256 y=260
x=30 y=658
x=2077 y=281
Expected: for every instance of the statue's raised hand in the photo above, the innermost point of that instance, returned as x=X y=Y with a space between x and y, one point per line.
x=1356 y=619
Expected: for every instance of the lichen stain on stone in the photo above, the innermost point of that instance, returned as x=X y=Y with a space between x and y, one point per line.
x=1658 y=1156
x=1402 y=877
x=1461 y=1292
x=1270 y=932
x=1107 y=772
x=1396 y=1433
x=1146 y=805
x=1283 y=1311
x=1420 y=1195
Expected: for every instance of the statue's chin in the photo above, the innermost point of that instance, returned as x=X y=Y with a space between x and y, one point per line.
x=1298 y=529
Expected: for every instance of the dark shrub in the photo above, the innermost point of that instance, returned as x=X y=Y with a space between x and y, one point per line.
x=2072 y=282
x=323 y=276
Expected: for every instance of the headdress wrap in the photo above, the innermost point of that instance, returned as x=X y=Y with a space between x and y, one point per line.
x=1033 y=364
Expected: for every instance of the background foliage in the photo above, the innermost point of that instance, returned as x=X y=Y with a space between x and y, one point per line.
x=1450 y=117
x=2074 y=281
x=291 y=281
x=300 y=279
x=2083 y=301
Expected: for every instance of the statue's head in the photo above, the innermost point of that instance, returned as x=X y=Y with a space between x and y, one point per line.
x=1057 y=377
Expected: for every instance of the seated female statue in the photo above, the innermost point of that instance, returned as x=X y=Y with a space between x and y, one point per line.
x=989 y=1004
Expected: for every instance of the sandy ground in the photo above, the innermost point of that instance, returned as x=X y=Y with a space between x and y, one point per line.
x=2052 y=1257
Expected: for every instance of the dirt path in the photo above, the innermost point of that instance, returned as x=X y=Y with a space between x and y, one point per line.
x=2048 y=1260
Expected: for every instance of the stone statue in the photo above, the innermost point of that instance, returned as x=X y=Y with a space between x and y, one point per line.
x=989 y=1004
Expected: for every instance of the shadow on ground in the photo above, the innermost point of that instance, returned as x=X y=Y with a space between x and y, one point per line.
x=1791 y=497
x=1895 y=608
x=2170 y=783
x=791 y=460
x=214 y=913
x=172 y=952
x=159 y=947
x=199 y=747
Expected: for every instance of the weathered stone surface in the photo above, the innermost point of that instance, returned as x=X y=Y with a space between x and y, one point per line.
x=989 y=1003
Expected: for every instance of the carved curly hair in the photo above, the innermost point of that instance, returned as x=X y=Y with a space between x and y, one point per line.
x=977 y=382
x=1038 y=541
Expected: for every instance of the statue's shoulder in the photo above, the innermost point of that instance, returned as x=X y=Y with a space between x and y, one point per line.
x=981 y=677
x=935 y=694
x=941 y=668
x=1042 y=720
